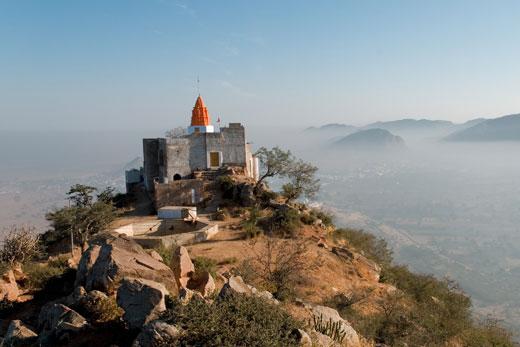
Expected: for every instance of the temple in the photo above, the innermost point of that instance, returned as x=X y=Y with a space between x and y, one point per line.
x=196 y=153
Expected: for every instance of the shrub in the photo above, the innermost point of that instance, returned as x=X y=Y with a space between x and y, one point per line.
x=265 y=196
x=227 y=186
x=203 y=264
x=234 y=321
x=226 y=261
x=103 y=310
x=308 y=218
x=250 y=225
x=487 y=334
x=284 y=221
x=326 y=218
x=372 y=247
x=39 y=274
x=20 y=245
x=166 y=253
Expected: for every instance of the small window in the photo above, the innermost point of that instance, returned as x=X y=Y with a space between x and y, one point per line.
x=176 y=177
x=196 y=130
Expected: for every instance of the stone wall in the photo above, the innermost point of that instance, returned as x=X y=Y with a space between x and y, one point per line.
x=151 y=162
x=180 y=193
x=178 y=158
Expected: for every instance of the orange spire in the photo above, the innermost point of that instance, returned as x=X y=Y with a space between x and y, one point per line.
x=199 y=115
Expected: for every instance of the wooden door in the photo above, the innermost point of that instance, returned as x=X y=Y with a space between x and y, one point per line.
x=214 y=159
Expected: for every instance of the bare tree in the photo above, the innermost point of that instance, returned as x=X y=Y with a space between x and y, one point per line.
x=279 y=264
x=20 y=245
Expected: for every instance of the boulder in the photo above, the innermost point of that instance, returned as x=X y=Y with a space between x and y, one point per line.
x=304 y=340
x=186 y=295
x=329 y=314
x=109 y=259
x=19 y=275
x=182 y=266
x=57 y=321
x=235 y=285
x=203 y=283
x=157 y=333
x=76 y=297
x=154 y=254
x=321 y=340
x=18 y=334
x=8 y=288
x=142 y=300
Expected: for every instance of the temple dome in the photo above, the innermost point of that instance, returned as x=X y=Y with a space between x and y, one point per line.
x=199 y=115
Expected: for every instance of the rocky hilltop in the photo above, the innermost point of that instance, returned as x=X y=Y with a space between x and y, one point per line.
x=278 y=273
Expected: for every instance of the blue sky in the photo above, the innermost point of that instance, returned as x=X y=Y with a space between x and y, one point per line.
x=133 y=64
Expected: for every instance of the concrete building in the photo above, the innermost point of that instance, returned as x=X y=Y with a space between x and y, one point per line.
x=200 y=149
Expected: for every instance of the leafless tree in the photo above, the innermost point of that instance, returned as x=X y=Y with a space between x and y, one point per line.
x=20 y=245
x=279 y=264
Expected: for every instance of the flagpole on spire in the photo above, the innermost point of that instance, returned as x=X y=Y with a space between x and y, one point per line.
x=198 y=85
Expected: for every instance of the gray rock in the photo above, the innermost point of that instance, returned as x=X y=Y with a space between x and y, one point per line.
x=56 y=321
x=321 y=340
x=109 y=259
x=329 y=314
x=157 y=333
x=18 y=334
x=142 y=300
x=235 y=285
x=186 y=295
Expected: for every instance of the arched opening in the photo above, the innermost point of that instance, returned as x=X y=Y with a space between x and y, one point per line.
x=176 y=177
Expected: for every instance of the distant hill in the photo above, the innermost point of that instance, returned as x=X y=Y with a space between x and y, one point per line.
x=331 y=130
x=505 y=128
x=411 y=124
x=370 y=139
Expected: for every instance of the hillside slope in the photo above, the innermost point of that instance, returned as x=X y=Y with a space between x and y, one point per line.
x=505 y=128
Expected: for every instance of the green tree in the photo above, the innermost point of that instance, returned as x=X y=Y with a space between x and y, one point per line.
x=302 y=181
x=85 y=216
x=273 y=162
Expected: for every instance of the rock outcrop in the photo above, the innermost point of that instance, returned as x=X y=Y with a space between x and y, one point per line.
x=182 y=266
x=236 y=285
x=8 y=287
x=57 y=321
x=142 y=300
x=203 y=283
x=109 y=259
x=157 y=333
x=18 y=334
x=329 y=314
